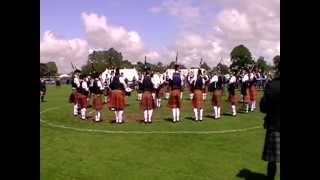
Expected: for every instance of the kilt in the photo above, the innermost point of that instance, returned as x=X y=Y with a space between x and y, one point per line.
x=97 y=102
x=216 y=97
x=73 y=98
x=253 y=93
x=117 y=100
x=83 y=101
x=197 y=100
x=232 y=98
x=271 y=150
x=147 y=102
x=174 y=99
x=246 y=96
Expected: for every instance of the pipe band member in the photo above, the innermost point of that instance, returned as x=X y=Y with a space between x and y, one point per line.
x=174 y=102
x=117 y=96
x=198 y=100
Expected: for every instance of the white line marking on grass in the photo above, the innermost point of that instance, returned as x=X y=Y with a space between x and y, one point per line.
x=142 y=132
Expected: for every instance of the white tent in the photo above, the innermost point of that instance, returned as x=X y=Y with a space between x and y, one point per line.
x=64 y=76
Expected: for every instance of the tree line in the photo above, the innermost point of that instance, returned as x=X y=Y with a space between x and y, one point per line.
x=98 y=61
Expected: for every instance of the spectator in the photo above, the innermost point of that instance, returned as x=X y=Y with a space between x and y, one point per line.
x=270 y=105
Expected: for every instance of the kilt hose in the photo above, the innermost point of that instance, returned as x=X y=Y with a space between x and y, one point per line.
x=197 y=100
x=117 y=100
x=253 y=93
x=147 y=102
x=271 y=150
x=174 y=99
x=216 y=97
x=97 y=102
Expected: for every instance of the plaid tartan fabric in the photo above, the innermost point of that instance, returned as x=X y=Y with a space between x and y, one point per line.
x=271 y=150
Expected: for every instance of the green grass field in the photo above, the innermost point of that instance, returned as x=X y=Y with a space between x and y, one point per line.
x=78 y=154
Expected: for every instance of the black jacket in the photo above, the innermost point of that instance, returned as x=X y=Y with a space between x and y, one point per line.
x=43 y=86
x=270 y=104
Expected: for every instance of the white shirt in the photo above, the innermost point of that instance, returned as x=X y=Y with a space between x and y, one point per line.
x=155 y=81
x=245 y=78
x=252 y=75
x=99 y=84
x=233 y=79
x=85 y=85
x=214 y=79
x=76 y=81
x=121 y=79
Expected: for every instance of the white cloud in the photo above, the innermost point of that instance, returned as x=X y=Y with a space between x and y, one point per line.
x=254 y=23
x=63 y=51
x=155 y=9
x=179 y=8
x=101 y=34
x=234 y=24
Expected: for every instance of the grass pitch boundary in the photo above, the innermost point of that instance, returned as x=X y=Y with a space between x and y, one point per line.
x=140 y=132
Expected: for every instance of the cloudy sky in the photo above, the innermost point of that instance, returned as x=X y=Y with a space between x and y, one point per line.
x=207 y=29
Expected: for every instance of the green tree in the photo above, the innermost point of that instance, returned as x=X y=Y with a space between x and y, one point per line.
x=262 y=65
x=172 y=64
x=44 y=71
x=224 y=69
x=205 y=66
x=159 y=67
x=276 y=60
x=52 y=68
x=100 y=60
x=139 y=66
x=126 y=64
x=240 y=57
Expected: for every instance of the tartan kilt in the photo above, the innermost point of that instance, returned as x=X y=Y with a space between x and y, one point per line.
x=117 y=99
x=197 y=100
x=232 y=98
x=246 y=96
x=147 y=102
x=97 y=102
x=253 y=93
x=174 y=99
x=271 y=150
x=83 y=101
x=216 y=97
x=73 y=98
